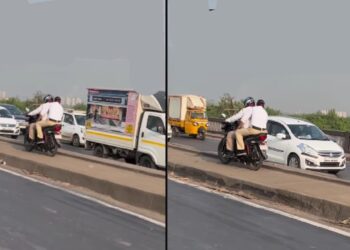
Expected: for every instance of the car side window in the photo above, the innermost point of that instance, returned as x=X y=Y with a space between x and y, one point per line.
x=268 y=127
x=155 y=124
x=277 y=128
x=68 y=119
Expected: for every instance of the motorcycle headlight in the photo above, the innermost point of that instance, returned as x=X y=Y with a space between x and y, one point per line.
x=307 y=150
x=195 y=124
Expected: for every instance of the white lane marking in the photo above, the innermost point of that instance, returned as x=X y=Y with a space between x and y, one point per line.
x=273 y=210
x=161 y=224
x=50 y=210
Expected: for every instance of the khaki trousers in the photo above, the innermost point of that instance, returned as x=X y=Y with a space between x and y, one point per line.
x=240 y=133
x=229 y=140
x=42 y=124
x=32 y=131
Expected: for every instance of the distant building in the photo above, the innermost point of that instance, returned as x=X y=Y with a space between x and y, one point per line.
x=3 y=95
x=341 y=114
x=71 y=101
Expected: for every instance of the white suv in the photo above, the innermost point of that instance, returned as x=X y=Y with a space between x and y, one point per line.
x=301 y=144
x=8 y=124
x=73 y=127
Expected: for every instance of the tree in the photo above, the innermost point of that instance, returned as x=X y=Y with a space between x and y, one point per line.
x=226 y=104
x=272 y=111
x=16 y=102
x=81 y=106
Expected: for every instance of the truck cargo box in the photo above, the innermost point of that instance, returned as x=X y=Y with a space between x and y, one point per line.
x=178 y=105
x=112 y=116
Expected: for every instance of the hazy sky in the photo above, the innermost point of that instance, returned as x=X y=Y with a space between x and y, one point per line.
x=64 y=46
x=294 y=54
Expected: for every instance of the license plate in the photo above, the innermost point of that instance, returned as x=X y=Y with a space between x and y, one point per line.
x=263 y=147
x=58 y=137
x=330 y=160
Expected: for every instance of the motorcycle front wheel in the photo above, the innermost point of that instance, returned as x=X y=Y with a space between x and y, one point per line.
x=222 y=152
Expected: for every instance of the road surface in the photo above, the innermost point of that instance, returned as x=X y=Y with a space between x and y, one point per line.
x=201 y=220
x=210 y=145
x=34 y=216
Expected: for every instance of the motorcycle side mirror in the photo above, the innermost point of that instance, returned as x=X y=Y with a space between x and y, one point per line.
x=281 y=136
x=223 y=115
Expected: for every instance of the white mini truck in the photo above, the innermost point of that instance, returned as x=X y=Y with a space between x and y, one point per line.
x=126 y=124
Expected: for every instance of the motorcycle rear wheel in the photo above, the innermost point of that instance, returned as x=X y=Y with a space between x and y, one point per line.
x=256 y=161
x=51 y=145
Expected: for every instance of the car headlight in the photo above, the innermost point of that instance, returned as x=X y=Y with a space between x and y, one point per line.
x=307 y=150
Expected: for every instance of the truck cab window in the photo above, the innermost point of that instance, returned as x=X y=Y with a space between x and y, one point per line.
x=155 y=124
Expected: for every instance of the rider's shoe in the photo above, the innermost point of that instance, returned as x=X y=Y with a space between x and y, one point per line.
x=40 y=141
x=241 y=153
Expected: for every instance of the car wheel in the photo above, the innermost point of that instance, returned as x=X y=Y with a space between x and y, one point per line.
x=76 y=141
x=294 y=161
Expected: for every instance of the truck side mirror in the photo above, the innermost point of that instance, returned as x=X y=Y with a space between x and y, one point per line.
x=160 y=130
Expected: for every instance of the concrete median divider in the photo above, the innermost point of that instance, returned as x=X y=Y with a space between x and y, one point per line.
x=318 y=196
x=141 y=188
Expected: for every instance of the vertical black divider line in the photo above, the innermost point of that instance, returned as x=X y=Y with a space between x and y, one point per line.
x=166 y=120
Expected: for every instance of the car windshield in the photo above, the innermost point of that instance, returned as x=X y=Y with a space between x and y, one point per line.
x=308 y=132
x=80 y=119
x=5 y=114
x=13 y=109
x=198 y=115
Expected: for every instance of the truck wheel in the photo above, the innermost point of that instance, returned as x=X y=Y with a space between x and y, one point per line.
x=175 y=131
x=201 y=136
x=76 y=141
x=99 y=151
x=146 y=161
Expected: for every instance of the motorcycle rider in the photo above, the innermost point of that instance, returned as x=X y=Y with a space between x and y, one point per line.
x=244 y=116
x=42 y=110
x=54 y=117
x=259 y=119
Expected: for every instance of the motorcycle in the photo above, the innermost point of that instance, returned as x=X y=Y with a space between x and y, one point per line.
x=255 y=148
x=50 y=144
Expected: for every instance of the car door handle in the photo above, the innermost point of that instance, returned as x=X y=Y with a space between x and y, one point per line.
x=142 y=134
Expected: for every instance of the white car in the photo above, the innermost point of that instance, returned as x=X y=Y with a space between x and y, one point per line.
x=301 y=144
x=73 y=127
x=8 y=124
